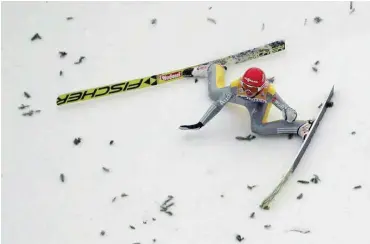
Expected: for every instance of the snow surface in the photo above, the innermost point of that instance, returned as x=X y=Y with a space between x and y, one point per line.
x=151 y=158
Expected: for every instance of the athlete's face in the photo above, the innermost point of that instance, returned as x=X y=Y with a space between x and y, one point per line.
x=250 y=90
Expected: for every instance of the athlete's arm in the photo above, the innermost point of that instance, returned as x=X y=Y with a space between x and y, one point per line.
x=289 y=113
x=212 y=111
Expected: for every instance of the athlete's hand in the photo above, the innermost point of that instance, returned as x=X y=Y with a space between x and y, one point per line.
x=196 y=126
x=289 y=114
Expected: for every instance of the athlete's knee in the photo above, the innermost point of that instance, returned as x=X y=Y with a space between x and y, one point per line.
x=258 y=129
x=214 y=94
x=211 y=71
x=215 y=82
x=213 y=68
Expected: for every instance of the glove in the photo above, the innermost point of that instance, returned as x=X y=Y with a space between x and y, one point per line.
x=289 y=114
x=196 y=126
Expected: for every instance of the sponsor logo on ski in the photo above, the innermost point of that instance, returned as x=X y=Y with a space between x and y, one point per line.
x=171 y=76
x=105 y=90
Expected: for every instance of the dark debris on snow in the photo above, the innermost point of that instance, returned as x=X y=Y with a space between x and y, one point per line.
x=36 y=37
x=300 y=231
x=166 y=205
x=211 y=20
x=80 y=60
x=105 y=169
x=22 y=106
x=247 y=138
x=267 y=226
x=303 y=181
x=27 y=95
x=315 y=179
x=31 y=112
x=77 y=140
x=239 y=238
x=351 y=8
x=251 y=187
x=317 y=19
x=62 y=54
x=314 y=67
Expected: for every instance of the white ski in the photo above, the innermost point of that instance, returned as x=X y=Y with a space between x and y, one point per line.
x=267 y=201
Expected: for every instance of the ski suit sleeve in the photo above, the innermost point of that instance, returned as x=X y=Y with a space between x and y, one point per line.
x=289 y=113
x=275 y=98
x=217 y=106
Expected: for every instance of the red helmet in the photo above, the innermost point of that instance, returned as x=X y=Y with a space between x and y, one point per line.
x=253 y=81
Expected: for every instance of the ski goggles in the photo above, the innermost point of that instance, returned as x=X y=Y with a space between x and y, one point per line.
x=251 y=90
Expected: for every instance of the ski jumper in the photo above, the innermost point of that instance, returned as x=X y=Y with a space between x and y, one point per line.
x=258 y=106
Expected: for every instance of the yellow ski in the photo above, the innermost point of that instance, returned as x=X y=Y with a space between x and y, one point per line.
x=154 y=80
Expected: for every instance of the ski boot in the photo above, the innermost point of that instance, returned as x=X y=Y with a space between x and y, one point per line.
x=198 y=71
x=305 y=129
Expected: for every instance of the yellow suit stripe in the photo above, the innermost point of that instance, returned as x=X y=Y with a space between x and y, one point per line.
x=270 y=90
x=235 y=83
x=267 y=113
x=220 y=76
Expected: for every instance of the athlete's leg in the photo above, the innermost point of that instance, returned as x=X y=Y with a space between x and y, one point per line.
x=259 y=114
x=216 y=81
x=216 y=84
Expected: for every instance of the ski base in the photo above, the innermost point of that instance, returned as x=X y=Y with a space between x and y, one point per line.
x=266 y=203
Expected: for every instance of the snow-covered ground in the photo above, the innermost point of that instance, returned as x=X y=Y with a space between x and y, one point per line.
x=151 y=158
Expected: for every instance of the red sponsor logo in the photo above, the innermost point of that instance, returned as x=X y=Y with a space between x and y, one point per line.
x=171 y=76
